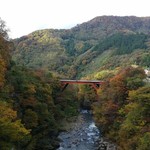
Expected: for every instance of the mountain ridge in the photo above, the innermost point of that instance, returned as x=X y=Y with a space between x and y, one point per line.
x=68 y=51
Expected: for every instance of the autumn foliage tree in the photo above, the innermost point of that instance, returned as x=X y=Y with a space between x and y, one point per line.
x=114 y=95
x=134 y=131
x=30 y=112
x=12 y=131
x=4 y=52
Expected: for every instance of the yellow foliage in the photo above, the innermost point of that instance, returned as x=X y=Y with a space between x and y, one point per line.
x=7 y=113
x=31 y=89
x=10 y=128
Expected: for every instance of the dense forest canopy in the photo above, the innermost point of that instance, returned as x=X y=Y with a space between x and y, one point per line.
x=33 y=109
x=31 y=104
x=122 y=111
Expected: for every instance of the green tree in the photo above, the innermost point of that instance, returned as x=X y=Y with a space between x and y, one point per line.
x=12 y=131
x=3 y=29
x=134 y=133
x=109 y=111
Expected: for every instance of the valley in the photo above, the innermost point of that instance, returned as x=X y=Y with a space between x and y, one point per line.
x=34 y=110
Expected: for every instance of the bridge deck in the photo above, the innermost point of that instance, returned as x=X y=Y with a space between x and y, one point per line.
x=95 y=83
x=81 y=81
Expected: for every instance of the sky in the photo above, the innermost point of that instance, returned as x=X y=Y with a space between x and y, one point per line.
x=25 y=16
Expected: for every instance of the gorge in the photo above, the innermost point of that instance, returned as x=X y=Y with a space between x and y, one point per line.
x=33 y=108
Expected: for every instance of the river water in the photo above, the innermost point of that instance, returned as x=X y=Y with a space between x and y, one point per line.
x=82 y=136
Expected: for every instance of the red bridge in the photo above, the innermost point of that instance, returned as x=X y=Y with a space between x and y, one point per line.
x=95 y=83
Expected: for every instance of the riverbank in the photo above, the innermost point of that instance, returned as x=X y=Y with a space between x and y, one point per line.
x=82 y=134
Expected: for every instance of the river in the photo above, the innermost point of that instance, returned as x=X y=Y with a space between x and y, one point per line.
x=84 y=135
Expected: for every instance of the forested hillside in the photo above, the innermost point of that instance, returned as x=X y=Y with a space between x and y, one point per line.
x=122 y=111
x=31 y=104
x=33 y=108
x=92 y=45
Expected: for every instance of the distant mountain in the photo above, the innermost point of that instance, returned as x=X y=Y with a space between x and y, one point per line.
x=104 y=26
x=104 y=42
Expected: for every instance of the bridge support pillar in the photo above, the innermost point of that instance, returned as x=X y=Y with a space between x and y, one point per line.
x=94 y=83
x=64 y=86
x=96 y=86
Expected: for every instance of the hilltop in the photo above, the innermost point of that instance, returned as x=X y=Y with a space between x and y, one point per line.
x=102 y=43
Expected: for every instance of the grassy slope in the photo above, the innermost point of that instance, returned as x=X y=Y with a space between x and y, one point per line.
x=106 y=61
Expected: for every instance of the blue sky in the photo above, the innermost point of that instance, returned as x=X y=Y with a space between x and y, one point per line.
x=25 y=16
